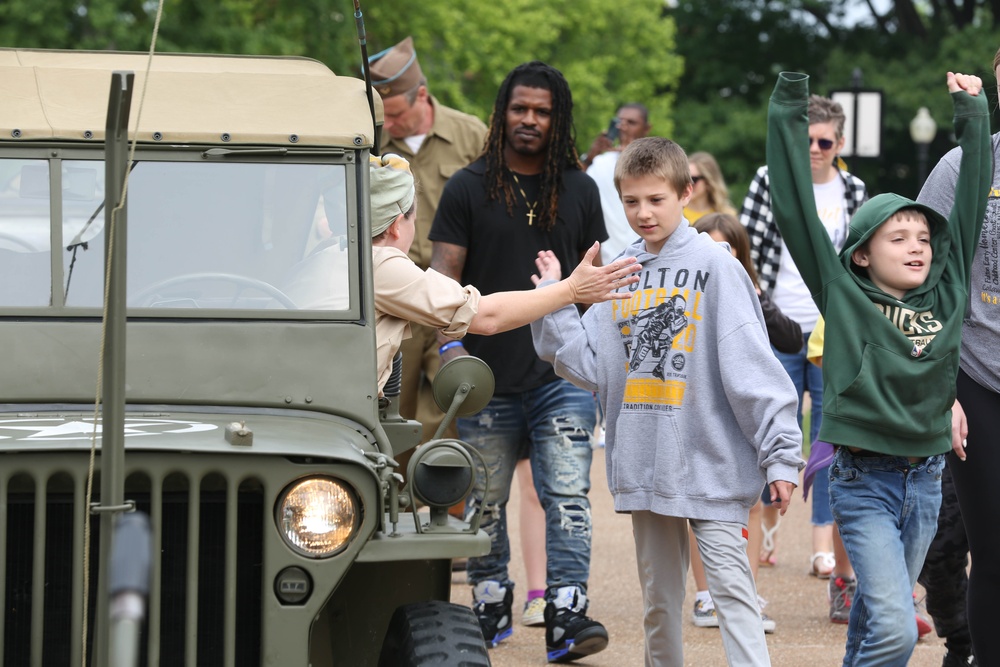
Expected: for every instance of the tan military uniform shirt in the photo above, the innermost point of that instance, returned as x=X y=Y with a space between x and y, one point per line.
x=406 y=293
x=455 y=140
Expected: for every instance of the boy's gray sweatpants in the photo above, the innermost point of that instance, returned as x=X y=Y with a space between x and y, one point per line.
x=661 y=549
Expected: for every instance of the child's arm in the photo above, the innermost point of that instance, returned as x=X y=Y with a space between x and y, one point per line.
x=562 y=339
x=762 y=399
x=792 y=202
x=975 y=175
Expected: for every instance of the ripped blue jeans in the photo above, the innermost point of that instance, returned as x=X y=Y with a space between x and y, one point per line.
x=552 y=425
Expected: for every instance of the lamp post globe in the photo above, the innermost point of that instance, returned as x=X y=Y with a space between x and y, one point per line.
x=922 y=132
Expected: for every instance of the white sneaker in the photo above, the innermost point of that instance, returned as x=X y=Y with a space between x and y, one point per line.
x=704 y=615
x=768 y=622
x=534 y=612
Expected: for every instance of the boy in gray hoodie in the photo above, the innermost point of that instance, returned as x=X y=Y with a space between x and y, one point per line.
x=700 y=413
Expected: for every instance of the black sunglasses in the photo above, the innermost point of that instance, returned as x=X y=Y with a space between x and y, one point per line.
x=824 y=144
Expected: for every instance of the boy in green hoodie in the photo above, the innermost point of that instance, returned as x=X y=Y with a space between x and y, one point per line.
x=889 y=371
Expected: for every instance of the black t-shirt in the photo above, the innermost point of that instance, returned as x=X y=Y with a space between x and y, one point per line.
x=501 y=251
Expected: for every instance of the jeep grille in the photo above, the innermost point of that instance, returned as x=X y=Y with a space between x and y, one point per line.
x=205 y=589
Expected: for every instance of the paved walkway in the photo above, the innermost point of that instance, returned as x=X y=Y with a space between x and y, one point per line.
x=804 y=636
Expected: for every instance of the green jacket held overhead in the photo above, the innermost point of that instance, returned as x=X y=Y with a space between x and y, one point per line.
x=889 y=365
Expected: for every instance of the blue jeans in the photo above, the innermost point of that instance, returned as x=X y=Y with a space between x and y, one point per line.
x=886 y=509
x=553 y=425
x=807 y=376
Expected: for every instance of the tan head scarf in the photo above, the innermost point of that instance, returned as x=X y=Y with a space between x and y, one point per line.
x=392 y=190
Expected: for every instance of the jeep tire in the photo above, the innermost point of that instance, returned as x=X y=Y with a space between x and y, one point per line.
x=434 y=633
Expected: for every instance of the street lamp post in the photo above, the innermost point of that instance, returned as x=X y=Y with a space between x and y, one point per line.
x=922 y=131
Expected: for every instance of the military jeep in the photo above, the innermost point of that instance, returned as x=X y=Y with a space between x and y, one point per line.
x=251 y=430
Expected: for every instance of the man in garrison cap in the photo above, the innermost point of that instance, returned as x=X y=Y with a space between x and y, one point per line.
x=437 y=141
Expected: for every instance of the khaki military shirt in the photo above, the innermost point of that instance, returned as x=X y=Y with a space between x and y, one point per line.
x=406 y=293
x=455 y=140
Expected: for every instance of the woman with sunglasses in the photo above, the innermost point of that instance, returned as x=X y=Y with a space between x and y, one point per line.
x=838 y=195
x=710 y=194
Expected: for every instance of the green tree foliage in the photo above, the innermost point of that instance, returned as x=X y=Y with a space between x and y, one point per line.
x=705 y=69
x=910 y=79
x=733 y=51
x=610 y=54
x=735 y=48
x=220 y=26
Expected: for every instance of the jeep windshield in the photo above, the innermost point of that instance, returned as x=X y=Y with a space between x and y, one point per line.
x=209 y=235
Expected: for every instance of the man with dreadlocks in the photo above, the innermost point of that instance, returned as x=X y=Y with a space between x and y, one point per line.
x=525 y=194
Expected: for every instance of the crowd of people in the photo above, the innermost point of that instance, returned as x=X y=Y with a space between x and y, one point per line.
x=693 y=333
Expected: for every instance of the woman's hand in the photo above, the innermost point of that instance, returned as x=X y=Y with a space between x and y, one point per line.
x=593 y=284
x=959 y=430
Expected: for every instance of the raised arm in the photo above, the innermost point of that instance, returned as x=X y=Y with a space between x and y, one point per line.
x=792 y=202
x=975 y=175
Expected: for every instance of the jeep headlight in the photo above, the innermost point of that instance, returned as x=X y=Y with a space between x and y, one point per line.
x=317 y=516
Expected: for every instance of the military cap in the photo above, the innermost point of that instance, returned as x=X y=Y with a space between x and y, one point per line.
x=396 y=70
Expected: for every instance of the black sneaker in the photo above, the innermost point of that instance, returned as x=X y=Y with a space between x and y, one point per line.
x=569 y=633
x=492 y=604
x=957 y=659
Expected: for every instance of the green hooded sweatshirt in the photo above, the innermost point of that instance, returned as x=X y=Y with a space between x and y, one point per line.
x=889 y=365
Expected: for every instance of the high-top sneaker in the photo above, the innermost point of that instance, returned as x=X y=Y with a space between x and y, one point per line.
x=569 y=633
x=492 y=605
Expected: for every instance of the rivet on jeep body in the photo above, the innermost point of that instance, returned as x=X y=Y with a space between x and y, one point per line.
x=87 y=134
x=15 y=133
x=225 y=136
x=294 y=138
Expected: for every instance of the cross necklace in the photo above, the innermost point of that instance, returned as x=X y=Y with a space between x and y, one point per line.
x=531 y=206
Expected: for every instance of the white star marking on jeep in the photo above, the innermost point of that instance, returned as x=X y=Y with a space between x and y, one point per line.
x=43 y=429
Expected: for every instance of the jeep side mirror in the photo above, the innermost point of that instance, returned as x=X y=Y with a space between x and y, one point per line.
x=462 y=387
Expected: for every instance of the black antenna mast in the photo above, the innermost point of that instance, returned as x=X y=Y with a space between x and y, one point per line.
x=359 y=20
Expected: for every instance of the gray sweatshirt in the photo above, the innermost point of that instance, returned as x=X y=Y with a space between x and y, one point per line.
x=700 y=413
x=981 y=328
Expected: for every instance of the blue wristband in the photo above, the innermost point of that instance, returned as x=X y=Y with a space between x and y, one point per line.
x=447 y=346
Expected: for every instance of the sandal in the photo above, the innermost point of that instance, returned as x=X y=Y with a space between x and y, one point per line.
x=821 y=564
x=767 y=547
